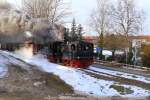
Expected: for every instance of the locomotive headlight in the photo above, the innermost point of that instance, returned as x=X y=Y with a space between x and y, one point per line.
x=78 y=57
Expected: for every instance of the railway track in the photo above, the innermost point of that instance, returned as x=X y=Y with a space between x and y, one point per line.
x=118 y=79
x=115 y=64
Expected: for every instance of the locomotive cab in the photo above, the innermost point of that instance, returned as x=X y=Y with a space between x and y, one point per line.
x=78 y=54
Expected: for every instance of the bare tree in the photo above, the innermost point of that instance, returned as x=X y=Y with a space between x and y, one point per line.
x=53 y=10
x=127 y=17
x=100 y=20
x=114 y=42
x=127 y=20
x=100 y=17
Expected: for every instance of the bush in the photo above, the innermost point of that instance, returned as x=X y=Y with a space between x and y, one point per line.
x=146 y=60
x=110 y=58
x=122 y=90
x=146 y=55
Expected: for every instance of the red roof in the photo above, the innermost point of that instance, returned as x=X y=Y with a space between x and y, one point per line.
x=94 y=39
x=140 y=37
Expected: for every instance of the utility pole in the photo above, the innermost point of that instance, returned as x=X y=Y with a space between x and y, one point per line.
x=135 y=51
x=126 y=51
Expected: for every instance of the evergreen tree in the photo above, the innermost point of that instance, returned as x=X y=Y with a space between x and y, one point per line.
x=74 y=36
x=145 y=55
x=80 y=29
x=66 y=35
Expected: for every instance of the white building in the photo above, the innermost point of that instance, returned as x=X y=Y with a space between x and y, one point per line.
x=139 y=40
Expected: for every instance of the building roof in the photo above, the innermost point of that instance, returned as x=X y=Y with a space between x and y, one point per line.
x=140 y=37
x=91 y=39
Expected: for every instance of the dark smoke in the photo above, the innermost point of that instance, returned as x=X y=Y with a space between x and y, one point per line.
x=14 y=24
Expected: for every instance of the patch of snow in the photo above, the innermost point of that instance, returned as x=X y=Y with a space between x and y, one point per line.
x=9 y=58
x=3 y=66
x=76 y=78
x=119 y=53
x=122 y=74
x=137 y=91
x=3 y=70
x=107 y=53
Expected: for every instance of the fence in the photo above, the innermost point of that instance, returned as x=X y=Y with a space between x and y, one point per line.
x=115 y=64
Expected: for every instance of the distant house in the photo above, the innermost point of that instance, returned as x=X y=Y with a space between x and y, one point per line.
x=91 y=39
x=139 y=40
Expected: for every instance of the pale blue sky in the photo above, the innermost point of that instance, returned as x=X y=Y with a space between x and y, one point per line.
x=81 y=10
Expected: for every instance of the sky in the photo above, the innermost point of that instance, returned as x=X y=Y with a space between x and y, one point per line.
x=81 y=10
x=145 y=4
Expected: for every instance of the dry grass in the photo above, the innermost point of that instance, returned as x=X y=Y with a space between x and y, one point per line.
x=122 y=90
x=58 y=84
x=20 y=85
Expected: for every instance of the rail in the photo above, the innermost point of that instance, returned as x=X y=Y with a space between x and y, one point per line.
x=115 y=64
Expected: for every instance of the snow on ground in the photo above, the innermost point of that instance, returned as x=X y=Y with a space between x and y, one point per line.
x=122 y=74
x=107 y=53
x=3 y=67
x=79 y=80
x=8 y=58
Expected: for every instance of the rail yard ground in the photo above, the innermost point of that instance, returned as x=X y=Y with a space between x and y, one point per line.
x=38 y=79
